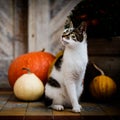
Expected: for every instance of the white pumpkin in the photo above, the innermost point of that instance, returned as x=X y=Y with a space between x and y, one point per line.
x=28 y=87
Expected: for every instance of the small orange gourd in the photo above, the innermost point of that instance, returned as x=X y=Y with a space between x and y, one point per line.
x=58 y=55
x=102 y=87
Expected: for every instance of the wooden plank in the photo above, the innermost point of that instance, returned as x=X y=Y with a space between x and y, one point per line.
x=14 y=107
x=39 y=117
x=4 y=96
x=56 y=44
x=56 y=6
x=66 y=112
x=57 y=25
x=4 y=64
x=112 y=109
x=38 y=25
x=6 y=29
x=6 y=39
x=91 y=109
x=42 y=25
x=104 y=46
x=59 y=20
x=20 y=27
x=31 y=26
x=38 y=108
x=82 y=118
x=110 y=65
x=68 y=118
x=12 y=118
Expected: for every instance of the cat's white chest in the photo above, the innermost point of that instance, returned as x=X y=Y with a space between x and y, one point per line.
x=74 y=62
x=76 y=58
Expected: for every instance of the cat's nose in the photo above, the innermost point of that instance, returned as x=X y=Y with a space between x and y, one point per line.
x=63 y=36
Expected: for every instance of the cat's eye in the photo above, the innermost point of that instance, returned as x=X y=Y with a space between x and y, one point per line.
x=67 y=31
x=73 y=36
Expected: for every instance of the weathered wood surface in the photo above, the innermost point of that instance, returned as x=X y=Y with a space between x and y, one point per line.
x=13 y=28
x=6 y=39
x=57 y=25
x=41 y=27
x=20 y=19
x=106 y=54
x=58 y=21
x=109 y=64
x=6 y=30
x=31 y=26
x=106 y=47
x=13 y=34
x=11 y=108
x=38 y=25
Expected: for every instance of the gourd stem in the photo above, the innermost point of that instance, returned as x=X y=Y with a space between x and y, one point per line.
x=101 y=71
x=27 y=69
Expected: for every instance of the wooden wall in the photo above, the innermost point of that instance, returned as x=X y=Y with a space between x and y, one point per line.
x=13 y=34
x=46 y=21
x=30 y=25
x=106 y=54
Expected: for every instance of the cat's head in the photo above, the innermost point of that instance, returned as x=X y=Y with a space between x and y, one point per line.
x=72 y=36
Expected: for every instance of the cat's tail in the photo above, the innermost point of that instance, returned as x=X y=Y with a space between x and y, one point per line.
x=47 y=101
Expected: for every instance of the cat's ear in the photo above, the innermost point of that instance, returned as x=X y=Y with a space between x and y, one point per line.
x=83 y=27
x=68 y=23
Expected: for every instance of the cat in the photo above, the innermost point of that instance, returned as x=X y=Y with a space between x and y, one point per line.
x=65 y=82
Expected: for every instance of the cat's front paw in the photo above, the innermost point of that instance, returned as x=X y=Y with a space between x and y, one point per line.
x=58 y=107
x=77 y=108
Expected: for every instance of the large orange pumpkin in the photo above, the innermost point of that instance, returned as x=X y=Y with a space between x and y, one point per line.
x=37 y=62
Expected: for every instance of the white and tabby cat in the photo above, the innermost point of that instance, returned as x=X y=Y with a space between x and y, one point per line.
x=65 y=83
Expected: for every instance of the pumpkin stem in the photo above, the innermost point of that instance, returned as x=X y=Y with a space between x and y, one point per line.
x=101 y=71
x=43 y=50
x=27 y=69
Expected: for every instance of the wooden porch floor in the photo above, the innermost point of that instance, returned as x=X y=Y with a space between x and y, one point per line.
x=13 y=109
